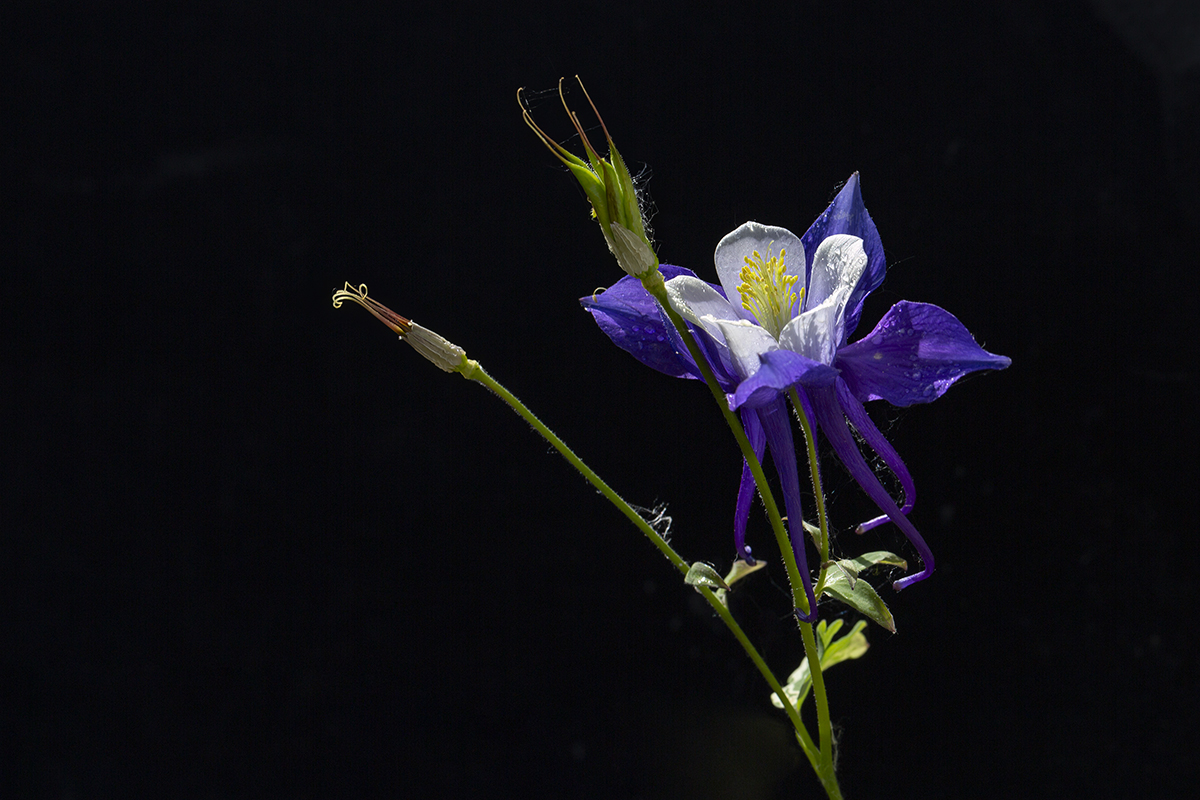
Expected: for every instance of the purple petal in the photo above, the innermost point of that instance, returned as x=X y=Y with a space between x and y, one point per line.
x=631 y=318
x=780 y=370
x=833 y=422
x=875 y=440
x=745 y=498
x=777 y=425
x=916 y=352
x=847 y=214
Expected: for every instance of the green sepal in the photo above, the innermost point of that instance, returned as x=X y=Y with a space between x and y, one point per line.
x=853 y=645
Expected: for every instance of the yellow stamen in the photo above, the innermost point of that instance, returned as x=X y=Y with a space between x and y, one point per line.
x=381 y=312
x=767 y=291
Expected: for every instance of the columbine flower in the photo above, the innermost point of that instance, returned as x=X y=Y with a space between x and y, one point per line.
x=609 y=188
x=781 y=318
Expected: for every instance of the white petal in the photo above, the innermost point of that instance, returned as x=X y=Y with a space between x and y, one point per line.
x=694 y=299
x=817 y=332
x=747 y=342
x=768 y=240
x=839 y=262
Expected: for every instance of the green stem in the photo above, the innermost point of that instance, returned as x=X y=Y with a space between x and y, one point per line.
x=824 y=724
x=824 y=764
x=655 y=286
x=471 y=370
x=815 y=472
x=806 y=742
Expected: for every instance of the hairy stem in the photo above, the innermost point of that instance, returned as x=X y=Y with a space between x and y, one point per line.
x=823 y=764
x=473 y=371
x=654 y=285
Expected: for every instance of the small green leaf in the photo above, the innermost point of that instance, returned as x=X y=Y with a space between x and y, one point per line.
x=798 y=685
x=701 y=574
x=848 y=569
x=876 y=558
x=853 y=645
x=741 y=569
x=862 y=598
x=825 y=634
x=814 y=532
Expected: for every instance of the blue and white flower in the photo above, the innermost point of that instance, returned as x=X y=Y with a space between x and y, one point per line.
x=780 y=318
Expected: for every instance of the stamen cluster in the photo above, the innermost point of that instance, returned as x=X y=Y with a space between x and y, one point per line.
x=766 y=291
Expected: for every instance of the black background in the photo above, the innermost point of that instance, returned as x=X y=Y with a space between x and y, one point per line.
x=254 y=547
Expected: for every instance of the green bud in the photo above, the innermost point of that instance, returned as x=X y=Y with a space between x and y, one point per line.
x=609 y=188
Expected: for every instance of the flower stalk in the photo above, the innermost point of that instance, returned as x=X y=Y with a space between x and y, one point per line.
x=817 y=754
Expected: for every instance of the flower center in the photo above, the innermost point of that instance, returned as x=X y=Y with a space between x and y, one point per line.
x=766 y=291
